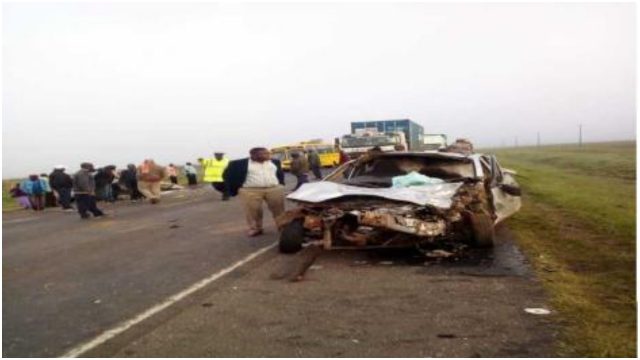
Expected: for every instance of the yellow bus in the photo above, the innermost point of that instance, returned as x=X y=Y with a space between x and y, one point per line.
x=329 y=156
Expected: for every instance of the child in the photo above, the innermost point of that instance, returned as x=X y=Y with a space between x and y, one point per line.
x=21 y=197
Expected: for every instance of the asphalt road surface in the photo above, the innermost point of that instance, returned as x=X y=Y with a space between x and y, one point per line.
x=67 y=281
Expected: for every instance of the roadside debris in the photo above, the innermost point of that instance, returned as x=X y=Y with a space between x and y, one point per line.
x=537 y=311
x=439 y=253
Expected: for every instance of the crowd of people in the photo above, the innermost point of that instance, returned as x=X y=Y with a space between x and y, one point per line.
x=256 y=179
x=89 y=185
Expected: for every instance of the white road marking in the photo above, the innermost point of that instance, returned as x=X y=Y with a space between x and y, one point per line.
x=18 y=220
x=124 y=326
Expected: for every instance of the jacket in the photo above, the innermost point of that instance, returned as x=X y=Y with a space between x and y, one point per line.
x=27 y=186
x=213 y=169
x=58 y=179
x=83 y=182
x=314 y=159
x=236 y=173
x=155 y=174
x=299 y=166
x=103 y=178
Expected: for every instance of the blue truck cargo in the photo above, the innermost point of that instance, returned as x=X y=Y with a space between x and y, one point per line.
x=414 y=132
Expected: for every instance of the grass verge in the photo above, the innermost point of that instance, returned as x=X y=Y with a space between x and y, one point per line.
x=577 y=225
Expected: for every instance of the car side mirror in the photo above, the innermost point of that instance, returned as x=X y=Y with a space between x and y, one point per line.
x=511 y=189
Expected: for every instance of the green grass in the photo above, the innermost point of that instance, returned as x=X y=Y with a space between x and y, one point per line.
x=8 y=203
x=577 y=225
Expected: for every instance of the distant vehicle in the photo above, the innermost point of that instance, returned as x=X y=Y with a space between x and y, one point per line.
x=329 y=156
x=389 y=135
x=402 y=199
x=435 y=141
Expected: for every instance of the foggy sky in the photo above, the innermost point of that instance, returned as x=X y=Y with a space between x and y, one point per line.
x=116 y=82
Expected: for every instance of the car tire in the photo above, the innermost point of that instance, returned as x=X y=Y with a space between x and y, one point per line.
x=482 y=231
x=291 y=237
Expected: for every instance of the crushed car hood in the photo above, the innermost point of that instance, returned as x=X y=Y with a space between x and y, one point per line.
x=438 y=195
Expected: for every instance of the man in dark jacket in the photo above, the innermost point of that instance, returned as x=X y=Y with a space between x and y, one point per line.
x=129 y=178
x=314 y=164
x=299 y=168
x=62 y=184
x=257 y=178
x=103 y=178
x=84 y=187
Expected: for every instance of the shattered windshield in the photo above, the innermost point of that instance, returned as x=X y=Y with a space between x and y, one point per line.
x=379 y=172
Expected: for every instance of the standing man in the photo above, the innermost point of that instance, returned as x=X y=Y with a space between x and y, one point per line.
x=62 y=184
x=49 y=197
x=257 y=178
x=191 y=173
x=213 y=170
x=149 y=177
x=129 y=179
x=84 y=187
x=103 y=179
x=173 y=174
x=314 y=164
x=299 y=168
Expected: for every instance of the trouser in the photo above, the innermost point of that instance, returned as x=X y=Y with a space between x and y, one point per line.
x=252 y=199
x=150 y=190
x=23 y=201
x=303 y=178
x=174 y=179
x=104 y=193
x=134 y=193
x=316 y=172
x=37 y=202
x=64 y=198
x=193 y=180
x=221 y=188
x=50 y=199
x=87 y=203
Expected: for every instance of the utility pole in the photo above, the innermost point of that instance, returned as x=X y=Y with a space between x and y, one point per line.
x=538 y=139
x=580 y=135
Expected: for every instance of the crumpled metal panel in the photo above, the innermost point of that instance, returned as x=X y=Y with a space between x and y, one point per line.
x=438 y=195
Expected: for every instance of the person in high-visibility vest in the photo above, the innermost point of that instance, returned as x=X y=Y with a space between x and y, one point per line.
x=213 y=169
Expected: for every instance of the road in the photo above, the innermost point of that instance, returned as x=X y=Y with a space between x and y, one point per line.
x=66 y=281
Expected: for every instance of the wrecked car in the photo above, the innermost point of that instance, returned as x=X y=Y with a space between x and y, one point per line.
x=402 y=199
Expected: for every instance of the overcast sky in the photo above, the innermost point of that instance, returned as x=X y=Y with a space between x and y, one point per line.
x=117 y=82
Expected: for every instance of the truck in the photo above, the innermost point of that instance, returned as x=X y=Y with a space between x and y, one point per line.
x=434 y=141
x=389 y=135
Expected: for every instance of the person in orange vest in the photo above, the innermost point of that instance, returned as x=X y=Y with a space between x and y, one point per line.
x=213 y=169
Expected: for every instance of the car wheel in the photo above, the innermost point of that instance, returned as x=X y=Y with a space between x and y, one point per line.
x=292 y=237
x=482 y=232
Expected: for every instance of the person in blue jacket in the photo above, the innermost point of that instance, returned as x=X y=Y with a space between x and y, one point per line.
x=256 y=179
x=36 y=189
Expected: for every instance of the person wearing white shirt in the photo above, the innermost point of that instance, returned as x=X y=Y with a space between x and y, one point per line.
x=257 y=179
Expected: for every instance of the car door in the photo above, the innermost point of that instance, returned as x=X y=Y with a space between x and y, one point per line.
x=505 y=190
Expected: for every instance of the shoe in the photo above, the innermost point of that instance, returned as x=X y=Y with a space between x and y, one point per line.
x=254 y=233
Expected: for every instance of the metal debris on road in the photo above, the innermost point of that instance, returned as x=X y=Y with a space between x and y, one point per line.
x=439 y=253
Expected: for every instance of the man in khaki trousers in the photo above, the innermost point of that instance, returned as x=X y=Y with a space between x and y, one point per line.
x=150 y=175
x=257 y=179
